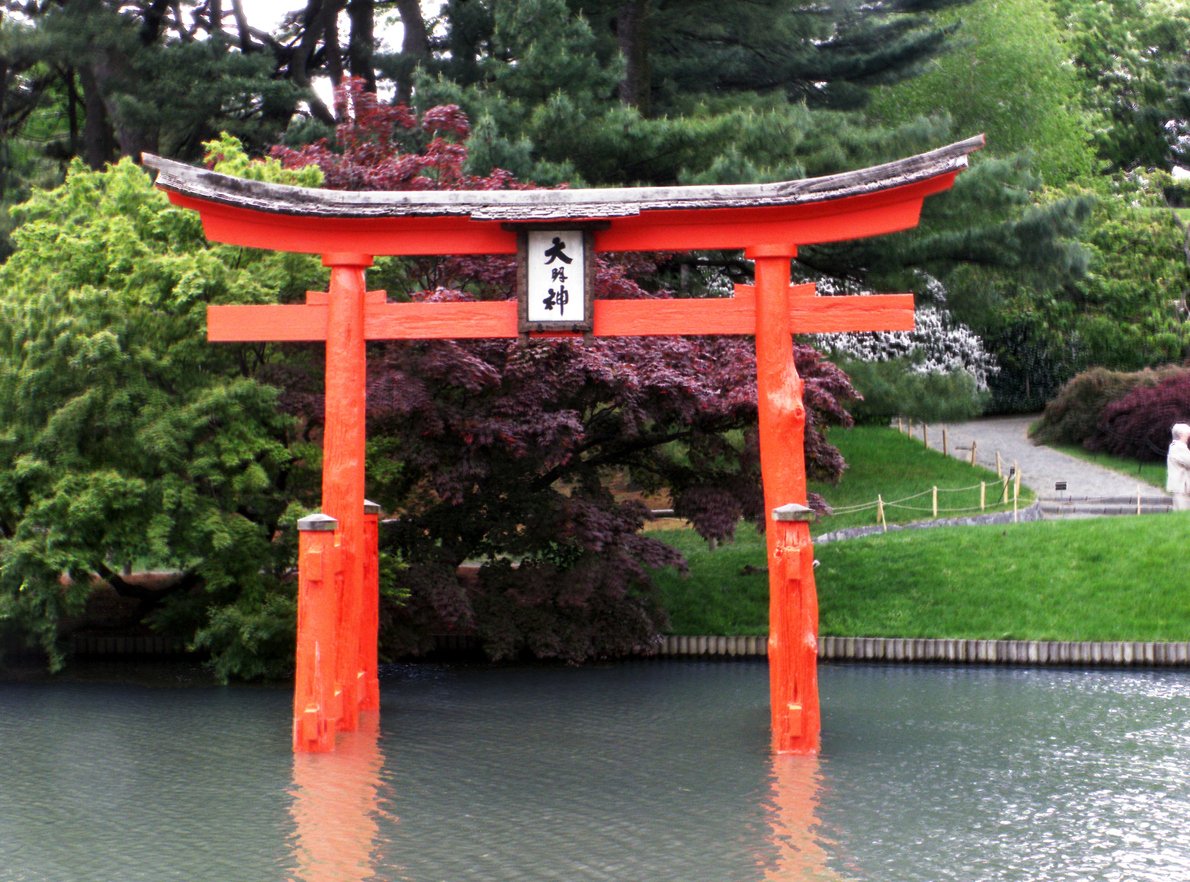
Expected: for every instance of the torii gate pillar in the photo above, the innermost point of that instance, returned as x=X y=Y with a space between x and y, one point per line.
x=344 y=449
x=793 y=604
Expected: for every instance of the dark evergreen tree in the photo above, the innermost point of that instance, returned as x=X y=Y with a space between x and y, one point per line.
x=826 y=55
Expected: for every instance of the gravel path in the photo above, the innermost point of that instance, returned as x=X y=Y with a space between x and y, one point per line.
x=1042 y=468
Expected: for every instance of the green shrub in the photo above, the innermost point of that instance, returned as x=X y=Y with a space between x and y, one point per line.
x=1072 y=416
x=893 y=388
x=1137 y=425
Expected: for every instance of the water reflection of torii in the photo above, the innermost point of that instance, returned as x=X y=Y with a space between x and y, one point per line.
x=337 y=595
x=342 y=807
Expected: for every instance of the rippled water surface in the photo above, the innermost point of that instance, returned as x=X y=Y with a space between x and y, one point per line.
x=642 y=771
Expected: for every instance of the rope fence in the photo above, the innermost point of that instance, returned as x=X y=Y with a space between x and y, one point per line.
x=1006 y=490
x=1003 y=482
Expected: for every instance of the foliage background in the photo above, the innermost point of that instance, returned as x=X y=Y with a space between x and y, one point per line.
x=129 y=442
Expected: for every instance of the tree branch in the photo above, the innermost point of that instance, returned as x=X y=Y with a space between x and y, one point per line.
x=149 y=598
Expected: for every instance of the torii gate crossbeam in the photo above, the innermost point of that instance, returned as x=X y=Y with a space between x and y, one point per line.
x=336 y=659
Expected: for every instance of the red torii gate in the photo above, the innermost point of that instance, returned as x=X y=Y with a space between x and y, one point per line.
x=337 y=595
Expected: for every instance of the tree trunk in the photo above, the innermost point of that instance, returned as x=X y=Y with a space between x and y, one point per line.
x=4 y=155
x=334 y=53
x=215 y=15
x=362 y=42
x=415 y=46
x=97 y=134
x=185 y=34
x=632 y=33
x=154 y=19
x=72 y=109
x=318 y=23
x=242 y=28
x=108 y=71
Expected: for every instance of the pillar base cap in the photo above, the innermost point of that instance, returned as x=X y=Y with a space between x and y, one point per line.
x=317 y=523
x=793 y=511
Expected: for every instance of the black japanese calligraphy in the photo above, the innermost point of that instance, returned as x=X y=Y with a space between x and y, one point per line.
x=557 y=297
x=556 y=252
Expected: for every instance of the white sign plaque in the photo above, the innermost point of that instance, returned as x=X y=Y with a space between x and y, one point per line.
x=556 y=280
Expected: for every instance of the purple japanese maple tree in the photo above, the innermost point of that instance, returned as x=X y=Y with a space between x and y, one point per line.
x=504 y=453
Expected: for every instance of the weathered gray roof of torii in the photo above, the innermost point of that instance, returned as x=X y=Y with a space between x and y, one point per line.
x=544 y=205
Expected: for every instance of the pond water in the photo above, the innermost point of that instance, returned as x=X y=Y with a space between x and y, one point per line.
x=639 y=771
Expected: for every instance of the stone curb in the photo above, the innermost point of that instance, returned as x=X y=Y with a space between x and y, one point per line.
x=886 y=649
x=1029 y=513
x=915 y=650
x=905 y=649
x=133 y=645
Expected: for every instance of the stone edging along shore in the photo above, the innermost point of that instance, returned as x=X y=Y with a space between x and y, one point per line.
x=905 y=649
x=884 y=649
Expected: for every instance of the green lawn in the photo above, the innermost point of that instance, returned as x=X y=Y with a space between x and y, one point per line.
x=722 y=593
x=1119 y=578
x=1148 y=472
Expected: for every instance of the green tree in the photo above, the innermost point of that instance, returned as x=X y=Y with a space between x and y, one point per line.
x=540 y=84
x=664 y=51
x=128 y=440
x=892 y=388
x=1129 y=310
x=100 y=80
x=727 y=96
x=128 y=71
x=1010 y=77
x=1133 y=62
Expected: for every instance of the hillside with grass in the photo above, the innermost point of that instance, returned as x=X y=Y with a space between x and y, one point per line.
x=1117 y=578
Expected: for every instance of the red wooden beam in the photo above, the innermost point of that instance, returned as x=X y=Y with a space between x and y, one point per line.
x=613 y=318
x=408 y=236
x=854 y=217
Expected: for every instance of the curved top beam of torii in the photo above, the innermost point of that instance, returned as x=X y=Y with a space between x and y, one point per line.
x=854 y=204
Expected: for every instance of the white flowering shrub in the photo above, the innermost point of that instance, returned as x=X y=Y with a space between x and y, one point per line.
x=715 y=281
x=938 y=345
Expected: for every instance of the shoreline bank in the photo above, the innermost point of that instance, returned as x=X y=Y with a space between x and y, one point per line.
x=949 y=651
x=973 y=651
